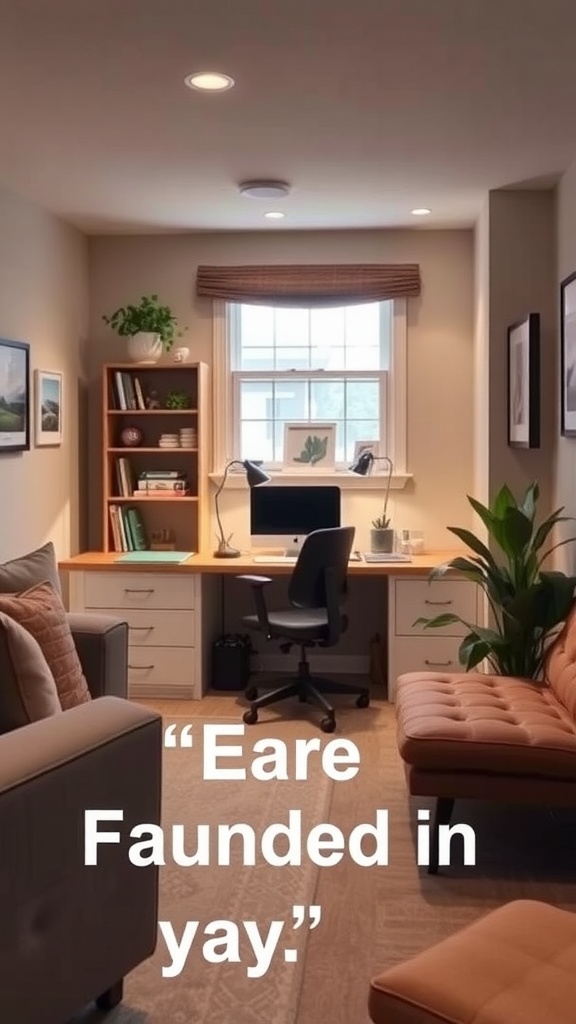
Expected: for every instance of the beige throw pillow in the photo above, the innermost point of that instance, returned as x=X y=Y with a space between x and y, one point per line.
x=27 y=688
x=41 y=612
x=37 y=566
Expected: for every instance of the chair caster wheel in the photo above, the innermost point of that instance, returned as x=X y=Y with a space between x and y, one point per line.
x=363 y=701
x=251 y=693
x=328 y=724
x=250 y=716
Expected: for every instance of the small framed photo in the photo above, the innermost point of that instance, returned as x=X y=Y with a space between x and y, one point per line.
x=14 y=396
x=309 y=447
x=48 y=408
x=568 y=355
x=524 y=383
x=365 y=446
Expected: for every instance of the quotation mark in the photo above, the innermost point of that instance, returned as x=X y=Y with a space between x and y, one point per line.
x=300 y=914
x=183 y=738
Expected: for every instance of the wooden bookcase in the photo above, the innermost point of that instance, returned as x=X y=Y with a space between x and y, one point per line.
x=188 y=517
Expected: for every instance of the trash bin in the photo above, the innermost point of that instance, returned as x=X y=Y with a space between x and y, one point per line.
x=231 y=662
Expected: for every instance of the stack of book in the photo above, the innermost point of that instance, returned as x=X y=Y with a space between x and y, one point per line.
x=162 y=483
x=127 y=392
x=128 y=531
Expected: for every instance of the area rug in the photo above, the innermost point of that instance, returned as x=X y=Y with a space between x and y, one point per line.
x=372 y=917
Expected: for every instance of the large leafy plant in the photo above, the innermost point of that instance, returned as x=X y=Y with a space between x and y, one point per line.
x=527 y=604
x=149 y=316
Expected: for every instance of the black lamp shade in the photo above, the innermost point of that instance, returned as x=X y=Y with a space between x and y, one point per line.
x=363 y=464
x=254 y=474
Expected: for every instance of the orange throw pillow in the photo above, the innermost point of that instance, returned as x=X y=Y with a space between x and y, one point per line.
x=41 y=612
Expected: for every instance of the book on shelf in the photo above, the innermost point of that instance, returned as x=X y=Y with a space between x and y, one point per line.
x=124 y=477
x=161 y=474
x=163 y=492
x=128 y=531
x=163 y=484
x=127 y=392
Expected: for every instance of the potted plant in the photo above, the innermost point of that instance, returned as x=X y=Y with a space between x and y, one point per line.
x=381 y=534
x=527 y=605
x=150 y=328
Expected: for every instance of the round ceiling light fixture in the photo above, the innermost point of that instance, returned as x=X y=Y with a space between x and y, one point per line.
x=420 y=211
x=264 y=189
x=209 y=81
x=274 y=215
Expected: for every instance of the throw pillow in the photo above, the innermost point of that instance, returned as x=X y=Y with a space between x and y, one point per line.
x=27 y=688
x=36 y=567
x=41 y=612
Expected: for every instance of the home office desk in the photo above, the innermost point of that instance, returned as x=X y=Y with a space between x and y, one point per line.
x=173 y=612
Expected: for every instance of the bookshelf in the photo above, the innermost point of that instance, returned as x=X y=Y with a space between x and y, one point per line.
x=136 y=512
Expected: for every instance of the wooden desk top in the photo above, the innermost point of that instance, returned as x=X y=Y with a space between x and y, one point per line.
x=99 y=561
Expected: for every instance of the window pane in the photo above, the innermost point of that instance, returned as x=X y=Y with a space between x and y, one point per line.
x=256 y=440
x=327 y=327
x=257 y=359
x=362 y=399
x=292 y=359
x=363 y=357
x=327 y=358
x=327 y=400
x=256 y=400
x=363 y=324
x=291 y=400
x=292 y=327
x=359 y=430
x=256 y=325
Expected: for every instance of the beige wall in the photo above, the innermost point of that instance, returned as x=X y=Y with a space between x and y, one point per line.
x=440 y=349
x=564 y=459
x=43 y=301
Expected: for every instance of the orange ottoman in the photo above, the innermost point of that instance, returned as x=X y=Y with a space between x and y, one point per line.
x=517 y=965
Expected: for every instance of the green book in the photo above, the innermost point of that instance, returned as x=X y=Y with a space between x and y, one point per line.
x=155 y=557
x=137 y=530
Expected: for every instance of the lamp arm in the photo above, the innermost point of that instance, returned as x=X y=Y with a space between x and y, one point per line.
x=233 y=462
x=384 y=458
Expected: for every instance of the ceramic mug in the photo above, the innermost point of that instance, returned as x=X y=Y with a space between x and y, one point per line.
x=180 y=355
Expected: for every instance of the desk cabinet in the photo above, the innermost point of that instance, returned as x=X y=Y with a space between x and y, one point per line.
x=163 y=614
x=412 y=648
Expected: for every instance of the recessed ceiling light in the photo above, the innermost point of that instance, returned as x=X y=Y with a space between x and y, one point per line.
x=264 y=189
x=275 y=215
x=209 y=81
x=421 y=211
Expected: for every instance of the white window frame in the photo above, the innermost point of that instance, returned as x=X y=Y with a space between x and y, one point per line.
x=226 y=402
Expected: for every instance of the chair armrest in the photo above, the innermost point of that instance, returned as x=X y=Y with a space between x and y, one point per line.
x=102 y=645
x=258 y=583
x=85 y=926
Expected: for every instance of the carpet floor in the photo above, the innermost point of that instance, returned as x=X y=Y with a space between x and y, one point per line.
x=371 y=917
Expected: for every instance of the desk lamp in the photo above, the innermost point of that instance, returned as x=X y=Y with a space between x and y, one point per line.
x=255 y=476
x=364 y=465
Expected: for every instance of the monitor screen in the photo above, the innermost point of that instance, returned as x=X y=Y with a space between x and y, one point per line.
x=287 y=514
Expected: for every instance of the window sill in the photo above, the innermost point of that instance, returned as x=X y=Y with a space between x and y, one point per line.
x=345 y=480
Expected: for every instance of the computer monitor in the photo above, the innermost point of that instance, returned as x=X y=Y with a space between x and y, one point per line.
x=284 y=516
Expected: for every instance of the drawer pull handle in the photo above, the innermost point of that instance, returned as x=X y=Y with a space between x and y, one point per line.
x=145 y=629
x=438 y=664
x=141 y=667
x=138 y=590
x=427 y=601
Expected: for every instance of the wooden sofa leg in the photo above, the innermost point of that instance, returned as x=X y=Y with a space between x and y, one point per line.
x=442 y=815
x=111 y=997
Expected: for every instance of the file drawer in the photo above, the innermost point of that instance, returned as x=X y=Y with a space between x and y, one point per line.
x=153 y=670
x=139 y=590
x=421 y=598
x=160 y=628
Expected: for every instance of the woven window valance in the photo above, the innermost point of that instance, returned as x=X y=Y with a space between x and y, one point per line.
x=310 y=285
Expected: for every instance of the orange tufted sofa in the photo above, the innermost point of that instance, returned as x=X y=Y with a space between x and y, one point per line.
x=490 y=737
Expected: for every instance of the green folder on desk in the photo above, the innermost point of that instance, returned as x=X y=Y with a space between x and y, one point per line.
x=154 y=557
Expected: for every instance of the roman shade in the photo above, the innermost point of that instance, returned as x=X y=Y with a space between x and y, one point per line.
x=336 y=284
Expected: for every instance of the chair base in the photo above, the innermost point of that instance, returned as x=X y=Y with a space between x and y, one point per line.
x=307 y=688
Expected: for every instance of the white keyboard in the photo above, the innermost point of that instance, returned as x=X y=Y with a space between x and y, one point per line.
x=292 y=559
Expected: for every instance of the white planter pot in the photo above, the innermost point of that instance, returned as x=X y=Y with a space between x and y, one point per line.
x=144 y=347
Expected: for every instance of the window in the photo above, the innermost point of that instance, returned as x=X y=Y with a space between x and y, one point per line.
x=285 y=364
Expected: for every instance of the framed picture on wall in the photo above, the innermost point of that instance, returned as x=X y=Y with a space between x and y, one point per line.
x=524 y=383
x=568 y=355
x=48 y=408
x=14 y=396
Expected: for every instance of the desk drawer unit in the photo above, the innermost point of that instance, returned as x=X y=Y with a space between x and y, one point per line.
x=412 y=648
x=162 y=612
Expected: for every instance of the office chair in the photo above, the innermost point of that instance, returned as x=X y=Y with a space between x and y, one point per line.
x=316 y=590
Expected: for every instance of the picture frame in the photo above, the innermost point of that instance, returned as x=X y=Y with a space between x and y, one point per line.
x=365 y=446
x=313 y=439
x=14 y=396
x=48 y=396
x=568 y=356
x=524 y=382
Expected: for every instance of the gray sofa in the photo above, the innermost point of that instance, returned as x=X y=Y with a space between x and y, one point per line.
x=70 y=933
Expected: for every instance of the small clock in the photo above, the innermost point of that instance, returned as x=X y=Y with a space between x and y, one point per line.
x=131 y=437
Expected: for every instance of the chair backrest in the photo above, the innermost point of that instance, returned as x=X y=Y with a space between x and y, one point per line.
x=319 y=576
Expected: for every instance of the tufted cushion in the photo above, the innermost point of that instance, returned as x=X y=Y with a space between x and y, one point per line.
x=42 y=613
x=560 y=666
x=483 y=723
x=516 y=965
x=27 y=688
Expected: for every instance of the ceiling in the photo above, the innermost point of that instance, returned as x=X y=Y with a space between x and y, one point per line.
x=368 y=108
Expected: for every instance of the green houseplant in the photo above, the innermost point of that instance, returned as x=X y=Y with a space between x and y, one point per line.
x=527 y=605
x=150 y=328
x=381 y=534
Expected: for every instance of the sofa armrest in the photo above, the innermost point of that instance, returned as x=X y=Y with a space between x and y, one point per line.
x=69 y=932
x=102 y=645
